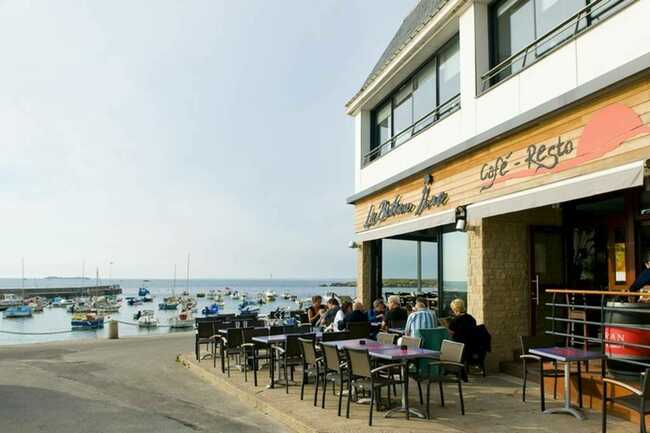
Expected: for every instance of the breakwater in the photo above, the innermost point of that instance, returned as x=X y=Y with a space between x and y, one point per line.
x=65 y=292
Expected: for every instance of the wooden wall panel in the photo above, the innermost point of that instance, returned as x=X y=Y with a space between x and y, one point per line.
x=618 y=120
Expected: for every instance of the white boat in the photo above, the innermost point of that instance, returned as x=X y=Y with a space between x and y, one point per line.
x=286 y=295
x=62 y=302
x=147 y=319
x=270 y=295
x=234 y=296
x=10 y=300
x=211 y=294
x=184 y=319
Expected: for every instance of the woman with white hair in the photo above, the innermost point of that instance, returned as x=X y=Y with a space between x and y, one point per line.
x=460 y=322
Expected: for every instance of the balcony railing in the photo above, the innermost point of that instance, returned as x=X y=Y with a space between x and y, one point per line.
x=431 y=118
x=566 y=31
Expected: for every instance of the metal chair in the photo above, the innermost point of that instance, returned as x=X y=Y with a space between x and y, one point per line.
x=231 y=346
x=332 y=363
x=540 y=341
x=450 y=370
x=251 y=350
x=204 y=335
x=359 y=329
x=361 y=373
x=289 y=356
x=311 y=363
x=638 y=401
x=386 y=338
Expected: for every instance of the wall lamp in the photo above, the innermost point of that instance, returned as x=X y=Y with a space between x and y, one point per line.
x=354 y=244
x=461 y=218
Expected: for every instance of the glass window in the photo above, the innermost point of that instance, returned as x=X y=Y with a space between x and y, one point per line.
x=515 y=28
x=402 y=113
x=551 y=13
x=383 y=128
x=424 y=95
x=607 y=9
x=399 y=260
x=449 y=71
x=454 y=268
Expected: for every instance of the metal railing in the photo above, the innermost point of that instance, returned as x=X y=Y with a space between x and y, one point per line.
x=560 y=318
x=566 y=31
x=431 y=118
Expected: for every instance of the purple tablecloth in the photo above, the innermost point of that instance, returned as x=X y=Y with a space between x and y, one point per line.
x=397 y=354
x=355 y=344
x=566 y=354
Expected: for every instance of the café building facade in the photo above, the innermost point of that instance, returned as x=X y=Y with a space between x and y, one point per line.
x=501 y=148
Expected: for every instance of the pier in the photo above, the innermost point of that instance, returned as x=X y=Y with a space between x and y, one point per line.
x=65 y=292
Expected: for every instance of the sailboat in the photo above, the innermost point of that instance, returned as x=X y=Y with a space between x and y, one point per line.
x=171 y=302
x=18 y=311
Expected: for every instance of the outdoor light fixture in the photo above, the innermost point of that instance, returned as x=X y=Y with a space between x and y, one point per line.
x=353 y=244
x=461 y=218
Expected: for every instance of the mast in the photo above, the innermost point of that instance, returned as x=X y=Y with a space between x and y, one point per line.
x=188 y=272
x=174 y=283
x=22 y=279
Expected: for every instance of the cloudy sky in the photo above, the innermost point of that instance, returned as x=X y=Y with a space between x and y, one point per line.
x=136 y=132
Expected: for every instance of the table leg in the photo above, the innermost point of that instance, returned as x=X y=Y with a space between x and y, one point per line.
x=567 y=408
x=271 y=367
x=405 y=389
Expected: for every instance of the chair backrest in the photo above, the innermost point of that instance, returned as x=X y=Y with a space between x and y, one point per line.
x=276 y=330
x=291 y=330
x=308 y=349
x=223 y=325
x=645 y=385
x=451 y=351
x=386 y=338
x=411 y=342
x=396 y=324
x=205 y=329
x=292 y=345
x=359 y=329
x=335 y=336
x=359 y=362
x=235 y=337
x=249 y=333
x=331 y=357
x=535 y=342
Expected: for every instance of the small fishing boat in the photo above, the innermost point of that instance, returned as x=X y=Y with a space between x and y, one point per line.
x=293 y=297
x=270 y=295
x=235 y=295
x=212 y=294
x=87 y=321
x=186 y=293
x=147 y=319
x=248 y=307
x=147 y=298
x=227 y=291
x=183 y=319
x=106 y=305
x=200 y=294
x=261 y=299
x=143 y=291
x=61 y=302
x=17 y=312
x=211 y=310
x=36 y=306
x=134 y=301
x=286 y=295
x=10 y=300
x=169 y=303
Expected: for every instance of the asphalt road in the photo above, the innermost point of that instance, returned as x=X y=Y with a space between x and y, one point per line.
x=127 y=385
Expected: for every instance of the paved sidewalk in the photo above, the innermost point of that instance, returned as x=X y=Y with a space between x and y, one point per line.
x=118 y=386
x=492 y=404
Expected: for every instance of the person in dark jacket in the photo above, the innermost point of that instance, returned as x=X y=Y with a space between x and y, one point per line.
x=643 y=279
x=461 y=324
x=357 y=314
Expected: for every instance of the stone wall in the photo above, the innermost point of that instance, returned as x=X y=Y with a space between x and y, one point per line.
x=499 y=287
x=364 y=273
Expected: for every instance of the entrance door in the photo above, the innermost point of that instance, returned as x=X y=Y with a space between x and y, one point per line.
x=547 y=270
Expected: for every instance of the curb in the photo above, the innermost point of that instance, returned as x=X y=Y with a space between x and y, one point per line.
x=251 y=399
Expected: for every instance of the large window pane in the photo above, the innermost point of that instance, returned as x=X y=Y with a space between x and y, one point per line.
x=551 y=13
x=403 y=113
x=429 y=266
x=515 y=27
x=449 y=71
x=454 y=268
x=383 y=128
x=424 y=95
x=399 y=260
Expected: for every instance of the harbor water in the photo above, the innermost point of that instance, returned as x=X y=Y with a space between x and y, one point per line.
x=54 y=323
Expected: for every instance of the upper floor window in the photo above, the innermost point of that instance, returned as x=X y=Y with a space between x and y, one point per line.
x=523 y=31
x=427 y=96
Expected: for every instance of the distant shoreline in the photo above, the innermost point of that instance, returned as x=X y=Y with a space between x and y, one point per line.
x=389 y=282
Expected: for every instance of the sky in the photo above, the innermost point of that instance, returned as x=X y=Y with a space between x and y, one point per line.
x=138 y=132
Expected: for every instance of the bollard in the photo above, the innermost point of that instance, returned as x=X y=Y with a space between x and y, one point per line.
x=113 y=333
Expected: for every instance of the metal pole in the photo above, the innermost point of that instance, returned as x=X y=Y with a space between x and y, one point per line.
x=419 y=266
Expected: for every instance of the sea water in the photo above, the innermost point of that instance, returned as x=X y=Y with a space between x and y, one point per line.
x=58 y=319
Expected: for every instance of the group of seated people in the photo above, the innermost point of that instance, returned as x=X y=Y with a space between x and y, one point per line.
x=335 y=317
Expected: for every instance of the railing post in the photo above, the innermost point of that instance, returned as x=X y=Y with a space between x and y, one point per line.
x=553 y=314
x=603 y=302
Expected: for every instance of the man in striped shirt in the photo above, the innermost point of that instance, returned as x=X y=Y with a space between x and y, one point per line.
x=421 y=318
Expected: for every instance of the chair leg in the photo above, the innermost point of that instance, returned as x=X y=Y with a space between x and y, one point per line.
x=372 y=401
x=541 y=386
x=420 y=392
x=197 y=350
x=428 y=414
x=460 y=396
x=255 y=367
x=604 y=409
x=302 y=385
x=442 y=394
x=228 y=366
x=347 y=410
x=322 y=404
x=340 y=394
x=579 y=386
x=523 y=387
x=316 y=388
x=286 y=377
x=554 y=380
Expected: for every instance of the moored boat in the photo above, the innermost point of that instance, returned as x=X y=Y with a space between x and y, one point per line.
x=17 y=312
x=87 y=321
x=270 y=295
x=184 y=319
x=147 y=319
x=212 y=294
x=169 y=303
x=10 y=300
x=210 y=310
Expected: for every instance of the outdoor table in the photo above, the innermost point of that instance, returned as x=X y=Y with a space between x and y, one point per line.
x=370 y=345
x=567 y=355
x=399 y=331
x=395 y=353
x=269 y=341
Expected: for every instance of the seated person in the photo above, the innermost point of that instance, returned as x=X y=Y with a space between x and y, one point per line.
x=395 y=312
x=376 y=313
x=421 y=318
x=357 y=314
x=461 y=324
x=332 y=308
x=339 y=319
x=314 y=312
